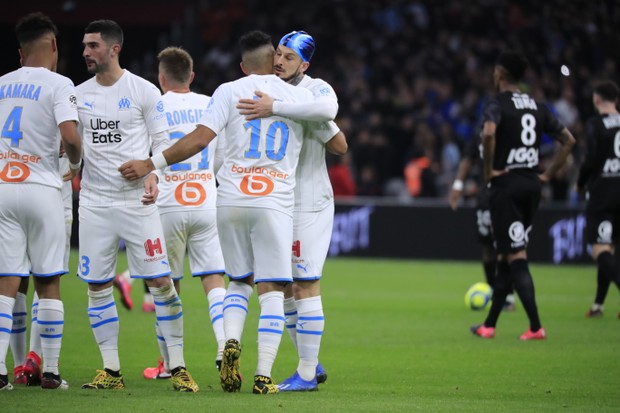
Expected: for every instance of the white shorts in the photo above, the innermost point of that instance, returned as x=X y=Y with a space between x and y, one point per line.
x=312 y=233
x=102 y=228
x=256 y=241
x=33 y=236
x=194 y=231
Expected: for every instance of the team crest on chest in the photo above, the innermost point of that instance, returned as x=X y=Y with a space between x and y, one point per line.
x=124 y=104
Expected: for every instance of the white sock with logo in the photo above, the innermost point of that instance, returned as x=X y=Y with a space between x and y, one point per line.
x=290 y=313
x=51 y=322
x=6 y=323
x=103 y=318
x=35 y=337
x=235 y=309
x=169 y=313
x=18 y=330
x=270 y=329
x=310 y=326
x=215 y=298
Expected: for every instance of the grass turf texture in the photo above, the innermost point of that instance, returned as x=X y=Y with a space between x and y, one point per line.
x=396 y=340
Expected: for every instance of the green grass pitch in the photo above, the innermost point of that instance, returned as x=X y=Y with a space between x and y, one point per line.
x=396 y=340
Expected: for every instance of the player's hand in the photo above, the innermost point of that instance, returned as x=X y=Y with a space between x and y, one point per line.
x=70 y=175
x=256 y=108
x=453 y=198
x=151 y=190
x=544 y=178
x=136 y=169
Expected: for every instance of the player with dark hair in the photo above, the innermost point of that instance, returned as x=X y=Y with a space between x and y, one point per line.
x=513 y=124
x=600 y=174
x=122 y=116
x=38 y=112
x=314 y=204
x=255 y=202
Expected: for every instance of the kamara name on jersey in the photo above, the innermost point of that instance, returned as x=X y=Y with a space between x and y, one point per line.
x=177 y=117
x=523 y=101
x=611 y=121
x=107 y=127
x=20 y=91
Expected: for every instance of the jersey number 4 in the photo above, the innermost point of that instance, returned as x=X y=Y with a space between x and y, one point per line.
x=12 y=127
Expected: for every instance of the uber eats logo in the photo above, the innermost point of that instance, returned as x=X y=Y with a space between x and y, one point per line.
x=105 y=131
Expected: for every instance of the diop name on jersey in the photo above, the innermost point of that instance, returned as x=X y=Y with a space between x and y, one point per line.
x=258 y=170
x=188 y=176
x=19 y=157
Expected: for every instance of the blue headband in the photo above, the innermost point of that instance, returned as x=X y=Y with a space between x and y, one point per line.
x=301 y=42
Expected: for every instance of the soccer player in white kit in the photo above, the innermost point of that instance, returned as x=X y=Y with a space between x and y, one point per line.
x=254 y=205
x=186 y=201
x=122 y=117
x=35 y=104
x=314 y=205
x=28 y=366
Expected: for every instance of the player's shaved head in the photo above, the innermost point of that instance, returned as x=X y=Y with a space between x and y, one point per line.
x=257 y=52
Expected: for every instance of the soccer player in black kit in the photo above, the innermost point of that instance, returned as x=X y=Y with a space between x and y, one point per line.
x=600 y=174
x=471 y=162
x=513 y=124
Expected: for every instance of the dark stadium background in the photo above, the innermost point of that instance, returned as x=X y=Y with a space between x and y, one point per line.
x=411 y=76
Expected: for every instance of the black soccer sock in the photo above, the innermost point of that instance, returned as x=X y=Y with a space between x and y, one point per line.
x=524 y=285
x=502 y=287
x=606 y=270
x=490 y=269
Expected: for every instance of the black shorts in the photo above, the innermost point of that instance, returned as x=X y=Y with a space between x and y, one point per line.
x=514 y=199
x=603 y=213
x=483 y=218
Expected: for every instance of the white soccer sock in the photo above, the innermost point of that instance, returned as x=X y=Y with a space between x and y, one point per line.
x=270 y=329
x=290 y=313
x=169 y=313
x=310 y=325
x=104 y=322
x=163 y=348
x=35 y=337
x=51 y=322
x=18 y=331
x=6 y=323
x=236 y=309
x=215 y=298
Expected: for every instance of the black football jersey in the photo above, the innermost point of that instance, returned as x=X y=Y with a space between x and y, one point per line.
x=602 y=157
x=521 y=122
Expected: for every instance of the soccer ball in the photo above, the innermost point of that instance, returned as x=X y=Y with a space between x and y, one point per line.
x=478 y=296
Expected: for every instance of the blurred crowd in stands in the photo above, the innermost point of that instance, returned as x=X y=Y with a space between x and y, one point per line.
x=412 y=76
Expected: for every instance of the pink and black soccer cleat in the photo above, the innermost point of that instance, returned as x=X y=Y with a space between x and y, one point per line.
x=541 y=334
x=481 y=330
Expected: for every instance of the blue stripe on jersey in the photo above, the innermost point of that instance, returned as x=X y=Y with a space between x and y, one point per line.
x=51 y=274
x=198 y=274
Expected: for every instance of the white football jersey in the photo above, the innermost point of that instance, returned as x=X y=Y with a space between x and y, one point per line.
x=313 y=191
x=33 y=102
x=117 y=125
x=260 y=156
x=188 y=184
